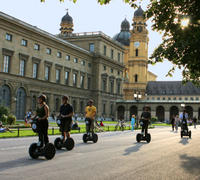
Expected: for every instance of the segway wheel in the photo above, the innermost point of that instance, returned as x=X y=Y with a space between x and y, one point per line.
x=69 y=144
x=95 y=138
x=190 y=134
x=85 y=138
x=138 y=137
x=58 y=143
x=148 y=138
x=49 y=151
x=181 y=134
x=32 y=151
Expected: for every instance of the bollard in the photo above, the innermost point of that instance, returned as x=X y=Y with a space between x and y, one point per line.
x=52 y=131
x=17 y=132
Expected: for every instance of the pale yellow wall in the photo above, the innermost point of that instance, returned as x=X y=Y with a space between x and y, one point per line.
x=151 y=76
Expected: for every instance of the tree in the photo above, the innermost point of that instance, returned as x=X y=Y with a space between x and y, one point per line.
x=179 y=21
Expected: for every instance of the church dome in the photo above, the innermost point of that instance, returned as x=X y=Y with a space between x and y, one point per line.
x=124 y=36
x=139 y=12
x=67 y=19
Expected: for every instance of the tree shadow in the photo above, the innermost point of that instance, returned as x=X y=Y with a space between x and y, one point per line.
x=135 y=148
x=184 y=141
x=20 y=162
x=190 y=164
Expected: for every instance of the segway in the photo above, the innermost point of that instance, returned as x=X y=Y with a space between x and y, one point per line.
x=142 y=137
x=89 y=136
x=59 y=144
x=48 y=151
x=184 y=130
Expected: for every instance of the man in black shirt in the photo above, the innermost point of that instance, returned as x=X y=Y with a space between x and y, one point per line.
x=66 y=113
x=146 y=117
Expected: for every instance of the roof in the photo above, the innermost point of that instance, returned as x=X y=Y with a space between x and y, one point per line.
x=42 y=32
x=171 y=88
x=139 y=12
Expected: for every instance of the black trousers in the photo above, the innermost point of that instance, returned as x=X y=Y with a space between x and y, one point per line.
x=43 y=132
x=145 y=126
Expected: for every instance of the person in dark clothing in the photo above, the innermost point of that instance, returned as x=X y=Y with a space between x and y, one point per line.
x=195 y=121
x=184 y=118
x=145 y=117
x=42 y=114
x=66 y=113
x=173 y=122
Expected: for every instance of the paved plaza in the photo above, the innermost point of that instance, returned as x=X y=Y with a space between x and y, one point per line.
x=116 y=155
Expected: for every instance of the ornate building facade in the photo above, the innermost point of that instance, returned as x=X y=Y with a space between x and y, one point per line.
x=33 y=61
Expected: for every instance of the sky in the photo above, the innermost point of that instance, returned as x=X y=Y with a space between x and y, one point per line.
x=88 y=16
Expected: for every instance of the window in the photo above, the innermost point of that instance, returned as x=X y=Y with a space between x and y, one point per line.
x=136 y=78
x=59 y=54
x=111 y=53
x=76 y=60
x=111 y=87
x=89 y=65
x=104 y=85
x=111 y=70
x=136 y=52
x=104 y=50
x=89 y=83
x=48 y=51
x=36 y=47
x=35 y=70
x=67 y=77
x=24 y=42
x=111 y=109
x=57 y=75
x=118 y=88
x=91 y=47
x=47 y=72
x=180 y=98
x=83 y=62
x=82 y=81
x=104 y=108
x=6 y=64
x=174 y=98
x=197 y=98
x=74 y=79
x=8 y=37
x=191 y=98
x=67 y=57
x=186 y=98
x=104 y=68
x=153 y=98
x=158 y=98
x=22 y=68
x=163 y=98
x=169 y=98
x=118 y=57
x=118 y=72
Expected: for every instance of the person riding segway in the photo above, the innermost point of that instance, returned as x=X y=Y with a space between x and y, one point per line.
x=184 y=126
x=64 y=121
x=90 y=113
x=145 y=119
x=40 y=125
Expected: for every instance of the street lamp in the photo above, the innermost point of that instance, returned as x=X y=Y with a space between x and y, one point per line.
x=183 y=105
x=137 y=97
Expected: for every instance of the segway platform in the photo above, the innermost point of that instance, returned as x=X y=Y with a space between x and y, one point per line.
x=68 y=144
x=141 y=137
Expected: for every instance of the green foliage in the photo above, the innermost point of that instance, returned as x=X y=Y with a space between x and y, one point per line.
x=11 y=119
x=154 y=119
x=180 y=43
x=4 y=119
x=4 y=111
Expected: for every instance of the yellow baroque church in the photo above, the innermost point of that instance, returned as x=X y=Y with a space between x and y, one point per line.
x=136 y=74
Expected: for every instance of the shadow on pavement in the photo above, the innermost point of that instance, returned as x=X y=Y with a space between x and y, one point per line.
x=20 y=162
x=190 y=164
x=135 y=148
x=184 y=141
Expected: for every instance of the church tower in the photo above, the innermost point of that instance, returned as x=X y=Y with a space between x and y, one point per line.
x=66 y=25
x=137 y=64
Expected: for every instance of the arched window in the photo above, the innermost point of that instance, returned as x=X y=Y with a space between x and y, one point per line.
x=136 y=78
x=34 y=103
x=57 y=104
x=136 y=52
